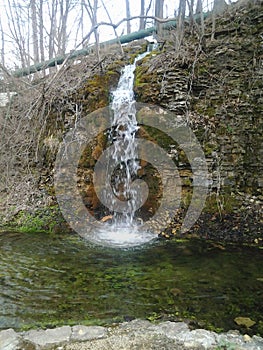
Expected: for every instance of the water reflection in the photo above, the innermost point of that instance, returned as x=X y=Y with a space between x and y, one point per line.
x=47 y=280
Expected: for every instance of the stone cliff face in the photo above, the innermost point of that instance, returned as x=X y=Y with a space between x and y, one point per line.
x=216 y=87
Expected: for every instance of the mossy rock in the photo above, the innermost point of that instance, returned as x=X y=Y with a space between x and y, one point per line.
x=48 y=219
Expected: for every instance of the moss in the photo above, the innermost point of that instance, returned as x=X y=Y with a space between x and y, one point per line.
x=202 y=69
x=42 y=220
x=209 y=148
x=101 y=144
x=163 y=140
x=134 y=55
x=224 y=202
x=95 y=93
x=187 y=182
x=116 y=66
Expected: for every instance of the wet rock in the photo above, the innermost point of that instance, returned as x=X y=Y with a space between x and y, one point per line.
x=231 y=337
x=81 y=333
x=200 y=337
x=137 y=334
x=9 y=339
x=258 y=342
x=49 y=336
x=172 y=330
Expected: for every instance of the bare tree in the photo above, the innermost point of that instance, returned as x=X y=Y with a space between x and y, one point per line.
x=115 y=31
x=92 y=12
x=128 y=15
x=199 y=11
x=190 y=4
x=148 y=8
x=142 y=21
x=80 y=26
x=41 y=31
x=34 y=30
x=2 y=44
x=17 y=17
x=180 y=24
x=62 y=35
x=52 y=10
x=159 y=14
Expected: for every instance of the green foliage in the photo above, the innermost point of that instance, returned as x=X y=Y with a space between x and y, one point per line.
x=154 y=316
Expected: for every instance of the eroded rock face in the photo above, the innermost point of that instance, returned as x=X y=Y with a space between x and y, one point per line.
x=217 y=89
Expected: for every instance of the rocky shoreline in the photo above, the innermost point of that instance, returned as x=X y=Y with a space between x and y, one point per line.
x=137 y=334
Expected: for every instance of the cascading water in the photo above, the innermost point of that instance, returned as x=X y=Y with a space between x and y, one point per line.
x=122 y=196
x=124 y=145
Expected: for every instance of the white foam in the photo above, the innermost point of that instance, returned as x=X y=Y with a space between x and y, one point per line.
x=121 y=237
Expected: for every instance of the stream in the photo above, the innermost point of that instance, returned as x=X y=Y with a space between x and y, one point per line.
x=49 y=280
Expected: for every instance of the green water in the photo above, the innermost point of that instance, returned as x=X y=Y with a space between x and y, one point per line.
x=47 y=281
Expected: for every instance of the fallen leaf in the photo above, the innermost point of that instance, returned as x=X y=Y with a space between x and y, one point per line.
x=244 y=321
x=106 y=218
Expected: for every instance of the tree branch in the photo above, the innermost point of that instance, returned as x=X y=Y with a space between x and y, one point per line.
x=168 y=23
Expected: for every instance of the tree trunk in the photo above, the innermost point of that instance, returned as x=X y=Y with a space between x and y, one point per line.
x=52 y=31
x=128 y=15
x=180 y=26
x=2 y=44
x=62 y=34
x=199 y=11
x=41 y=32
x=92 y=12
x=191 y=13
x=142 y=20
x=159 y=14
x=34 y=31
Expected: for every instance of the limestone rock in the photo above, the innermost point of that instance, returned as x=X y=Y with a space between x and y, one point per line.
x=49 y=336
x=9 y=340
x=81 y=333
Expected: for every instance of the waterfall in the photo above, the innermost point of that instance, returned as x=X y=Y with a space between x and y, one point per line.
x=124 y=146
x=122 y=168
